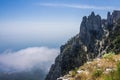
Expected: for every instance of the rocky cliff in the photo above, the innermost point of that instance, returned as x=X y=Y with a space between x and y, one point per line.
x=96 y=37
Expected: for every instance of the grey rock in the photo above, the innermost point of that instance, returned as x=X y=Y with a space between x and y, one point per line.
x=90 y=30
x=109 y=19
x=55 y=70
x=115 y=15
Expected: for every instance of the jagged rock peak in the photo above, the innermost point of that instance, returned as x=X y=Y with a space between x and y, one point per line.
x=113 y=17
x=109 y=19
x=116 y=15
x=92 y=14
x=108 y=14
x=84 y=19
x=90 y=29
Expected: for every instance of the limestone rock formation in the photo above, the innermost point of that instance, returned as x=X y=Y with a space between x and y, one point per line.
x=109 y=19
x=91 y=30
x=96 y=36
x=115 y=15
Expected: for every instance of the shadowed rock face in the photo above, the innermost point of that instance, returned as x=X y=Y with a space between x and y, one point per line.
x=112 y=18
x=115 y=15
x=92 y=40
x=109 y=19
x=90 y=30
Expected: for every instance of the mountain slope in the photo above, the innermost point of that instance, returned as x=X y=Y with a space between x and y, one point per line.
x=96 y=37
x=105 y=68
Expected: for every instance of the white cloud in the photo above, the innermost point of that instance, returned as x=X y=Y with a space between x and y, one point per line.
x=80 y=6
x=28 y=58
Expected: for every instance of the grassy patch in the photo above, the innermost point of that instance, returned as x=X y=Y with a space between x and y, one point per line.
x=97 y=73
x=108 y=55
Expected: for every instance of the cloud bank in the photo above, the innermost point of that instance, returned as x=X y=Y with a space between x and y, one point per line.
x=28 y=58
x=80 y=6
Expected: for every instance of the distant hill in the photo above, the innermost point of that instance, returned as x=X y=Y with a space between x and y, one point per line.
x=36 y=74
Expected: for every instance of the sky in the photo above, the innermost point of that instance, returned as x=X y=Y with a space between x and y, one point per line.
x=30 y=25
x=27 y=23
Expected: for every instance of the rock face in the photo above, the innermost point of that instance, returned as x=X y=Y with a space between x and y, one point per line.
x=112 y=18
x=91 y=30
x=71 y=56
x=93 y=40
x=115 y=15
x=109 y=19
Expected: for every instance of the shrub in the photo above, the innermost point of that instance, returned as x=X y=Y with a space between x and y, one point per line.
x=76 y=69
x=110 y=76
x=107 y=78
x=108 y=55
x=118 y=70
x=72 y=73
x=97 y=73
x=114 y=75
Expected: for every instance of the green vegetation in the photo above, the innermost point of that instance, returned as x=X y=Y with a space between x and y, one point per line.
x=108 y=55
x=114 y=75
x=118 y=70
x=72 y=73
x=114 y=38
x=116 y=43
x=118 y=22
x=97 y=73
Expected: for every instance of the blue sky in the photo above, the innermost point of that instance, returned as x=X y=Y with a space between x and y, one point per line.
x=27 y=23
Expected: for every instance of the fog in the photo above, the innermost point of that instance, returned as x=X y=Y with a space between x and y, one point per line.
x=27 y=59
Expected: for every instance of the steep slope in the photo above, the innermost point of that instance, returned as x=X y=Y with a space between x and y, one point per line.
x=105 y=68
x=94 y=39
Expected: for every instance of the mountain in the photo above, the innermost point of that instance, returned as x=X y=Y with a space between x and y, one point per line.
x=34 y=74
x=96 y=37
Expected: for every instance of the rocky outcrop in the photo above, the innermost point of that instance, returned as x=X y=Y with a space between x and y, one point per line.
x=109 y=19
x=93 y=40
x=112 y=18
x=55 y=70
x=71 y=56
x=90 y=31
x=115 y=15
